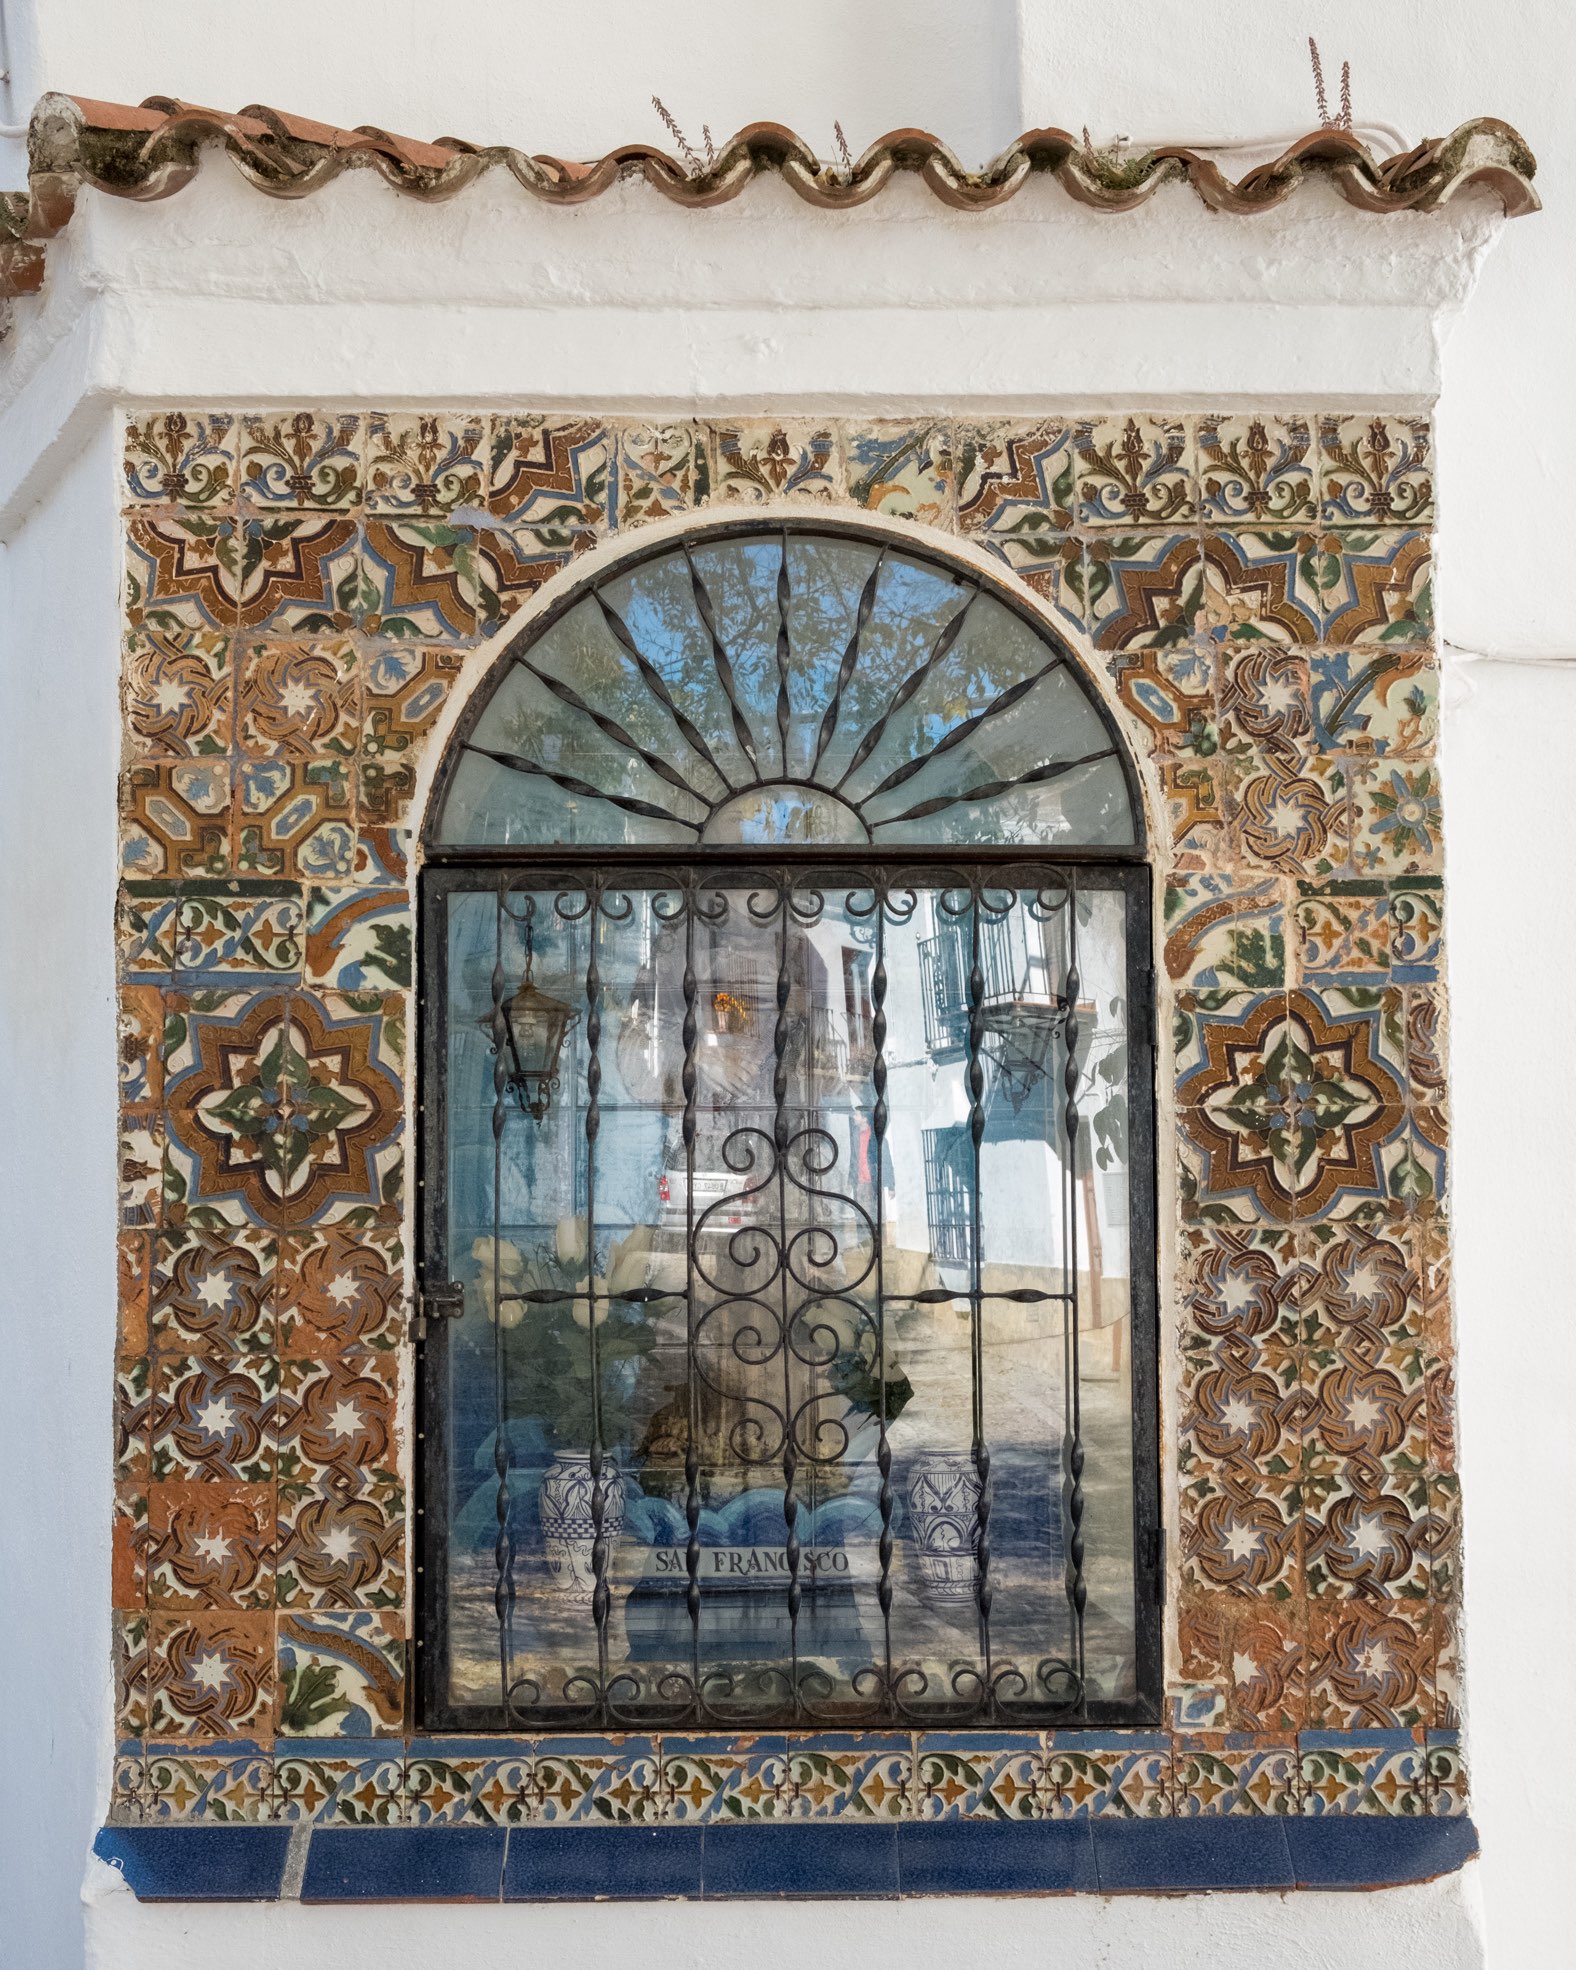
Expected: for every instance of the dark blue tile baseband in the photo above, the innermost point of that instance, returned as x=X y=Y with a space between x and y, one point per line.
x=197 y=1863
x=404 y=1864
x=799 y=1859
x=1338 y=1851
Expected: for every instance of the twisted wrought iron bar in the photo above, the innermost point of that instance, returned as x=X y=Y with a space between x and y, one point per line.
x=689 y=1082
x=1036 y=776
x=583 y=789
x=784 y=651
x=965 y=728
x=1073 y=1490
x=845 y=672
x=503 y=1545
x=878 y=1129
x=658 y=689
x=791 y=1549
x=984 y=1592
x=951 y=630
x=721 y=663
x=600 y=1597
x=611 y=729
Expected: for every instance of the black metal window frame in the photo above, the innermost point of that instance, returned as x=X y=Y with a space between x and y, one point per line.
x=451 y=872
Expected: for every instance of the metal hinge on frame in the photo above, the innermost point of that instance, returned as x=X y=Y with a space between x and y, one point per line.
x=444 y=1301
x=1155 y=1560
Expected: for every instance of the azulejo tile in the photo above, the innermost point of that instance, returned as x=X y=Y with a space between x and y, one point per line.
x=232 y=1789
x=1364 y=1291
x=211 y=1417
x=129 y=1645
x=131 y=1541
x=298 y=700
x=1291 y=808
x=139 y=1167
x=1256 y=1648
x=1255 y=591
x=177 y=693
x=903 y=471
x=1368 y=1536
x=134 y=1281
x=140 y=1031
x=759 y=459
x=1134 y=472
x=1263 y=697
x=1172 y=694
x=335 y=1423
x=180 y=458
x=1386 y=1779
x=956 y=1781
x=1121 y=1780
x=407 y=686
x=211 y=1545
x=1241 y=1282
x=296 y=818
x=181 y=574
x=340 y=1290
x=512 y=563
x=1242 y=1532
x=662 y=470
x=1235 y=1775
x=1416 y=928
x=1143 y=590
x=210 y=1674
x=1397 y=822
x=302 y=461
x=132 y=1415
x=551 y=475
x=1257 y=470
x=175 y=818
x=1224 y=931
x=338 y=1549
x=1343 y=932
x=341 y=1675
x=1196 y=809
x=359 y=939
x=1376 y=701
x=1367 y=1414
x=213 y=1290
x=1377 y=588
x=299 y=575
x=421 y=579
x=145 y=920
x=239 y=926
x=358 y=1782
x=418 y=464
x=1375 y=471
x=1017 y=484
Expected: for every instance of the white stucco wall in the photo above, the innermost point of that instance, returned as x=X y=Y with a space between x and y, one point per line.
x=575 y=80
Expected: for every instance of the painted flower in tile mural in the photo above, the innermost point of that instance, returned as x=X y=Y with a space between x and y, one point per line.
x=1403 y=810
x=1290 y=1107
x=285 y=1108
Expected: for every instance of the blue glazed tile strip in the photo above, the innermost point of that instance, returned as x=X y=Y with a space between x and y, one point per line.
x=785 y=1860
x=197 y=1863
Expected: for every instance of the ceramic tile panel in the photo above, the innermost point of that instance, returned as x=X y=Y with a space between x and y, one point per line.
x=304 y=589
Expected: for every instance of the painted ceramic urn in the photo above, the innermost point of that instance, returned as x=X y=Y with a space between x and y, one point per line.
x=943 y=1497
x=568 y=1530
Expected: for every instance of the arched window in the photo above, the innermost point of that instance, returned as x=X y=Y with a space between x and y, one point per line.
x=788 y=1161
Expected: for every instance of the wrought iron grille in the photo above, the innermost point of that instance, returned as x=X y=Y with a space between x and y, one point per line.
x=741 y=1407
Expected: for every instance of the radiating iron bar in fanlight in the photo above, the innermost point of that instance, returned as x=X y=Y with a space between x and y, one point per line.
x=878 y=1130
x=850 y=663
x=652 y=677
x=610 y=728
x=721 y=663
x=582 y=789
x=503 y=1546
x=1037 y=776
x=784 y=654
x=1073 y=1488
x=950 y=631
x=966 y=728
x=689 y=1081
x=980 y=1450
x=791 y=1548
x=600 y=1596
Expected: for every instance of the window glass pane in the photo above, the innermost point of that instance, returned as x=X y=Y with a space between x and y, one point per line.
x=720 y=1301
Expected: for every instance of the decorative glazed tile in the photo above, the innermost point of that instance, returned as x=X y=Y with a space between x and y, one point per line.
x=1291 y=809
x=1171 y=693
x=129 y=1643
x=421 y=579
x=1055 y=570
x=134 y=1282
x=1196 y=808
x=1241 y=1282
x=953 y=1779
x=359 y=939
x=1375 y=471
x=210 y=1675
x=340 y=1291
x=239 y=926
x=382 y=858
x=362 y=1787
x=295 y=819
x=442 y=1791
x=1343 y=932
x=387 y=790
x=571 y=1787
x=335 y=1424
x=1118 y=1779
x=1134 y=472
x=181 y=574
x=341 y=1675
x=407 y=686
x=1242 y=1533
x=1397 y=825
x=1225 y=931
x=1377 y=588
x=181 y=458
x=228 y=1790
x=1263 y=699
x=213 y=1291
x=425 y=464
x=337 y=1550
x=145 y=920
x=300 y=576
x=512 y=563
x=301 y=462
x=212 y=1417
x=175 y=818
x=1367 y=1414
x=1242 y=1414
x=130 y=1543
x=177 y=694
x=1144 y=590
x=1416 y=925
x=1257 y=470
x=1234 y=1775
x=1364 y=1293
x=211 y=1545
x=140 y=1167
x=903 y=471
x=1371 y=1664
x=297 y=700
x=662 y=470
x=551 y=474
x=1255 y=593
x=140 y=1030
x=1016 y=484
x=1445 y=1774
x=761 y=460
x=1386 y=1779
x=132 y=1414
x=1368 y=1535
x=857 y=1778
x=1262 y=1646
x=1376 y=702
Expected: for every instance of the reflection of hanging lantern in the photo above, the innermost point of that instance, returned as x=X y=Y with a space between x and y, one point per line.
x=535 y=1023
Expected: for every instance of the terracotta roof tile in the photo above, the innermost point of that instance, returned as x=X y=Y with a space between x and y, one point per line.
x=153 y=149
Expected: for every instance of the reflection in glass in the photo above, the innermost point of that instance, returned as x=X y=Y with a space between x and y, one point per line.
x=794 y=1316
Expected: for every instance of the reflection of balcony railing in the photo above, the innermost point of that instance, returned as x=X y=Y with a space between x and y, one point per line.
x=1013 y=966
x=832 y=1058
